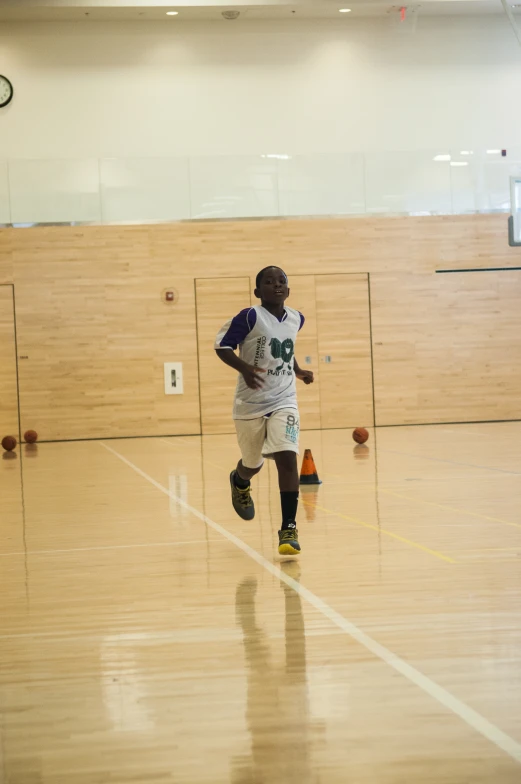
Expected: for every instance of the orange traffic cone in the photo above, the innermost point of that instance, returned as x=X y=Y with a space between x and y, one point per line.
x=308 y=473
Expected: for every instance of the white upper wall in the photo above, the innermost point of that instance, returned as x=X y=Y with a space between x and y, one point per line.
x=192 y=89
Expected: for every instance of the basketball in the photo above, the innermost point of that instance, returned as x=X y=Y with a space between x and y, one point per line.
x=9 y=443
x=31 y=436
x=360 y=435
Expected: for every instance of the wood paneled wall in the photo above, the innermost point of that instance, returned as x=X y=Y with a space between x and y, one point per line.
x=217 y=381
x=96 y=331
x=447 y=348
x=8 y=392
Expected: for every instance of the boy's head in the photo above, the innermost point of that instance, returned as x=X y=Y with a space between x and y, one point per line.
x=271 y=285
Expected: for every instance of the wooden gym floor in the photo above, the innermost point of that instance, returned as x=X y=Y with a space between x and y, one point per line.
x=149 y=635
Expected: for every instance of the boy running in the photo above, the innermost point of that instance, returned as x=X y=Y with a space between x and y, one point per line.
x=265 y=408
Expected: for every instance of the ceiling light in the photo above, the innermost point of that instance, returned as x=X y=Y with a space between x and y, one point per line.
x=493 y=152
x=459 y=163
x=441 y=158
x=172 y=13
x=466 y=152
x=344 y=10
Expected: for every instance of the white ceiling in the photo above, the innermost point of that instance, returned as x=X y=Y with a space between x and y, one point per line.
x=141 y=10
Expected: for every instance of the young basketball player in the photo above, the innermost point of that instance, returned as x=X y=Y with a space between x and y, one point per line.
x=265 y=409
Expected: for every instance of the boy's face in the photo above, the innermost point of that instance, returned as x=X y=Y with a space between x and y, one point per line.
x=273 y=287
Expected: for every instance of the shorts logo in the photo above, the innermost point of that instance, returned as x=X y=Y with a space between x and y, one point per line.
x=292 y=428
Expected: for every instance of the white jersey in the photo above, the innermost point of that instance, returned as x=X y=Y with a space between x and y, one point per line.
x=267 y=343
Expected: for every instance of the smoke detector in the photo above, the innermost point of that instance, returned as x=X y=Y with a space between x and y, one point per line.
x=231 y=14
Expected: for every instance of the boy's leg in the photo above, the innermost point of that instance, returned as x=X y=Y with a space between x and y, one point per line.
x=286 y=463
x=287 y=468
x=288 y=484
x=251 y=434
x=243 y=475
x=282 y=443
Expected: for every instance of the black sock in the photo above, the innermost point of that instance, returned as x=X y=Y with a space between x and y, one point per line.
x=289 y=504
x=238 y=481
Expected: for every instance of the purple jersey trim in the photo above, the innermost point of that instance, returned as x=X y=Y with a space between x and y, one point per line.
x=241 y=325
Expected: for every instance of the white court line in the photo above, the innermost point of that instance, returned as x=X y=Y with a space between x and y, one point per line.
x=181 y=440
x=108 y=547
x=441 y=695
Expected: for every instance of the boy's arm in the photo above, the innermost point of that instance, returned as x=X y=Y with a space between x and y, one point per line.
x=304 y=375
x=249 y=373
x=232 y=335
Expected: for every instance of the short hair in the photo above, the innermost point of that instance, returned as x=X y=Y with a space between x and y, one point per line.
x=258 y=279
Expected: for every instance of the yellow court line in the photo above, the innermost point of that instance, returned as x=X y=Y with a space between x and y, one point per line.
x=368 y=525
x=410 y=542
x=450 y=508
x=433 y=503
x=449 y=702
x=409 y=498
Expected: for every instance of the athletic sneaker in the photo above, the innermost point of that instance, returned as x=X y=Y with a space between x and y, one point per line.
x=288 y=540
x=242 y=500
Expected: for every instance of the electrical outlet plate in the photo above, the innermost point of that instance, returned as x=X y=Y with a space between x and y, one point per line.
x=174 y=378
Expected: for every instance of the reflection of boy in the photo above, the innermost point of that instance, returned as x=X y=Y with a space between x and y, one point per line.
x=277 y=709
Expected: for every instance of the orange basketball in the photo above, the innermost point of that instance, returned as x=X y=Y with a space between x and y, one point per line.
x=360 y=435
x=9 y=443
x=30 y=437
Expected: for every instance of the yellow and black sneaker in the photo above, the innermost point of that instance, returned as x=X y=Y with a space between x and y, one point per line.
x=288 y=540
x=242 y=500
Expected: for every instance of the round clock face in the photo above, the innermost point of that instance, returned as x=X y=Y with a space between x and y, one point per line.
x=6 y=90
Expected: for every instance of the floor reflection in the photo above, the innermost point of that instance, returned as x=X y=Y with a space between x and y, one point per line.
x=277 y=706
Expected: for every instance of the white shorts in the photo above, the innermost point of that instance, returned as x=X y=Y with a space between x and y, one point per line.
x=262 y=437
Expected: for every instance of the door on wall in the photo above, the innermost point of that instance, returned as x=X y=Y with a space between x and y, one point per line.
x=335 y=343
x=337 y=340
x=8 y=380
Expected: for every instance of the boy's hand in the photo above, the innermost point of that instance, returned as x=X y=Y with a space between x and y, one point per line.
x=252 y=377
x=305 y=375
